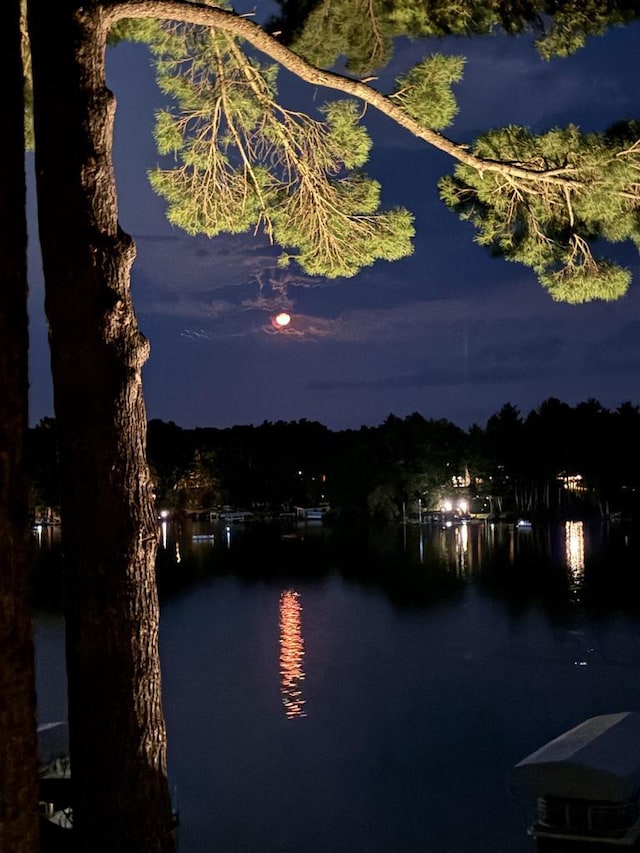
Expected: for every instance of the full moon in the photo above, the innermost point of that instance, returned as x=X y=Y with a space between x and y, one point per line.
x=283 y=319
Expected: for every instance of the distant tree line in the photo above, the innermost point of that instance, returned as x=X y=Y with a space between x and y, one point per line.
x=555 y=462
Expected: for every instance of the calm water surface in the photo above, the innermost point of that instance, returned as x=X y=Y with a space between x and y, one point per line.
x=368 y=691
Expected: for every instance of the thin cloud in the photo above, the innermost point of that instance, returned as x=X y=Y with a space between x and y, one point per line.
x=181 y=307
x=191 y=265
x=304 y=328
x=488 y=366
x=195 y=335
x=616 y=352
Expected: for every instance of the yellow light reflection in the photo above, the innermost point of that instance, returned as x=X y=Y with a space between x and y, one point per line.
x=463 y=538
x=462 y=547
x=574 y=533
x=291 y=654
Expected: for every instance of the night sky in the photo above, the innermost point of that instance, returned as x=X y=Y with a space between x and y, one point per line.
x=449 y=332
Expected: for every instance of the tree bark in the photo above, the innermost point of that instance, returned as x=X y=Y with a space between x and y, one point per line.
x=109 y=529
x=18 y=739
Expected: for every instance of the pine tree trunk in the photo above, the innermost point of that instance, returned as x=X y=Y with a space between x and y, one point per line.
x=18 y=741
x=116 y=724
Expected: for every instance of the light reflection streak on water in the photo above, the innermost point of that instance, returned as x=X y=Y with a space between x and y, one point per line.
x=462 y=547
x=453 y=545
x=291 y=654
x=164 y=534
x=574 y=548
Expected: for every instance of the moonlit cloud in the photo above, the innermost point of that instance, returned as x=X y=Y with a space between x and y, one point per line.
x=226 y=275
x=506 y=330
x=178 y=263
x=306 y=329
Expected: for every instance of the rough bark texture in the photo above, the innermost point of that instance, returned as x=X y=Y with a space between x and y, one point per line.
x=18 y=740
x=117 y=730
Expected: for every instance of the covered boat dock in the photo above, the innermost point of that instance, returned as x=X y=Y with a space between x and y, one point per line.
x=587 y=786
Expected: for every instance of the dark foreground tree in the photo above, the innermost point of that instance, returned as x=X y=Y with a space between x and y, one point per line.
x=298 y=179
x=18 y=745
x=116 y=724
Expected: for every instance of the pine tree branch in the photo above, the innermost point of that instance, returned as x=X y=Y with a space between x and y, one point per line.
x=230 y=22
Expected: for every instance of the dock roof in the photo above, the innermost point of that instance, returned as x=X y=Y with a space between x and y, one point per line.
x=597 y=760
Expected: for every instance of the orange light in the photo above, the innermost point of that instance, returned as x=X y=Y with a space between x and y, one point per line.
x=291 y=654
x=283 y=319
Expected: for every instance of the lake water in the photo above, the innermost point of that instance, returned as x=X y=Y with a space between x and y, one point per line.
x=368 y=691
